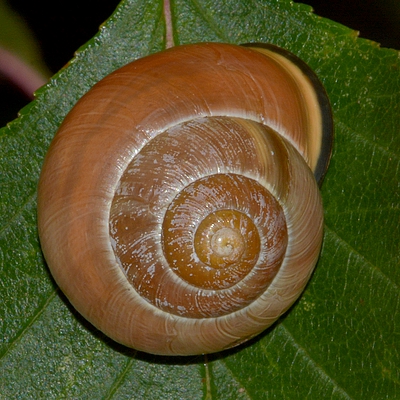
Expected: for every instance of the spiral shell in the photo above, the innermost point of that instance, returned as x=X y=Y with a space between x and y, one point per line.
x=177 y=205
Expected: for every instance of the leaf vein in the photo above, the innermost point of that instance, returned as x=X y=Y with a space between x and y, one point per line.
x=242 y=386
x=209 y=20
x=17 y=214
x=368 y=263
x=318 y=368
x=119 y=379
x=34 y=318
x=364 y=139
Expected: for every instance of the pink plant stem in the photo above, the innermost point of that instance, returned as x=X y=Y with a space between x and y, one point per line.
x=169 y=37
x=19 y=73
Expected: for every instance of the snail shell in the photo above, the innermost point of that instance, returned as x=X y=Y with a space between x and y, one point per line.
x=177 y=205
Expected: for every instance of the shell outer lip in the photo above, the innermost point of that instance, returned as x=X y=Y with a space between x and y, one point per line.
x=324 y=103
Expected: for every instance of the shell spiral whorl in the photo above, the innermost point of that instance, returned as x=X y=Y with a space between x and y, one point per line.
x=194 y=224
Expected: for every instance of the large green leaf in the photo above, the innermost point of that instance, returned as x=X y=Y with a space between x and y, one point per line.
x=341 y=339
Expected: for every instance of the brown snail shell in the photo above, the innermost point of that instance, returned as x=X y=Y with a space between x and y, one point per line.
x=177 y=205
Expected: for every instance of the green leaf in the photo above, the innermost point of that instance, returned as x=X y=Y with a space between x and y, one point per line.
x=341 y=339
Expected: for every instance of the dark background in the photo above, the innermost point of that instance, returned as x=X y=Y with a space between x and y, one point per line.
x=61 y=28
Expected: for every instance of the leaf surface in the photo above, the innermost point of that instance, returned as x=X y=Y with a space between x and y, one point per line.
x=339 y=341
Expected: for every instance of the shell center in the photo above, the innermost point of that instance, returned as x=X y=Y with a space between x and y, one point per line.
x=227 y=242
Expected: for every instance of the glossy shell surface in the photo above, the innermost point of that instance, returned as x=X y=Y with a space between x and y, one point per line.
x=178 y=210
